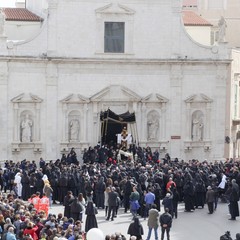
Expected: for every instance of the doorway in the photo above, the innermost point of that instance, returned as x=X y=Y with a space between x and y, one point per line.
x=109 y=131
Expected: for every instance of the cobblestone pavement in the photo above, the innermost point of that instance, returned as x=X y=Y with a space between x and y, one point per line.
x=197 y=225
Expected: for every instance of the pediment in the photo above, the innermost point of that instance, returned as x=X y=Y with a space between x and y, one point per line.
x=26 y=98
x=155 y=98
x=115 y=93
x=200 y=98
x=114 y=8
x=75 y=98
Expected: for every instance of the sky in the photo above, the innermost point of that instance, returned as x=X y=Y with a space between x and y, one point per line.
x=7 y=3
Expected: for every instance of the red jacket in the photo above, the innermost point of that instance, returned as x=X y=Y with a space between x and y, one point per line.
x=32 y=232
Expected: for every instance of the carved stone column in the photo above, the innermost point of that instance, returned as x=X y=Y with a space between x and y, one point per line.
x=188 y=122
x=16 y=136
x=85 y=118
x=144 y=123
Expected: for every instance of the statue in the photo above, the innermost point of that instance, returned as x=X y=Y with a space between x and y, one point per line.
x=153 y=125
x=74 y=130
x=197 y=129
x=222 y=29
x=124 y=138
x=2 y=21
x=26 y=128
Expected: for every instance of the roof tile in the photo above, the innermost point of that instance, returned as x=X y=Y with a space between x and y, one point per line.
x=190 y=18
x=20 y=14
x=190 y=3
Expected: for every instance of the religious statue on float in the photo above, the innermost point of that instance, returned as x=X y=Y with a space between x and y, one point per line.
x=124 y=138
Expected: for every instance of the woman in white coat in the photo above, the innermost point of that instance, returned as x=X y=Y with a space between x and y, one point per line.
x=17 y=181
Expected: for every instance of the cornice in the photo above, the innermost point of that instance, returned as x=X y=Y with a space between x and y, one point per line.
x=113 y=60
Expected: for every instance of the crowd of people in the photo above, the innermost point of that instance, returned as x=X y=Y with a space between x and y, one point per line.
x=104 y=180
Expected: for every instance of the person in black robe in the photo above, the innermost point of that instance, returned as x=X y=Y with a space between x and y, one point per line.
x=25 y=180
x=68 y=199
x=188 y=192
x=100 y=188
x=91 y=221
x=75 y=209
x=233 y=192
x=136 y=229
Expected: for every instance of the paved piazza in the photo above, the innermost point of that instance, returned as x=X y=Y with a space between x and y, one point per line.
x=197 y=225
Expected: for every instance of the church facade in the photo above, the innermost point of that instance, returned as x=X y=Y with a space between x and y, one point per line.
x=124 y=55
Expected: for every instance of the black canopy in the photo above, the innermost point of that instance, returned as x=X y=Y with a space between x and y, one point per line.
x=126 y=117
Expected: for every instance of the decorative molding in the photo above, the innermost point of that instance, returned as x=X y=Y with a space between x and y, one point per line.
x=75 y=98
x=154 y=98
x=115 y=8
x=124 y=94
x=24 y=98
x=201 y=98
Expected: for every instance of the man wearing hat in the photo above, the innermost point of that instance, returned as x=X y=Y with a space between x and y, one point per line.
x=210 y=196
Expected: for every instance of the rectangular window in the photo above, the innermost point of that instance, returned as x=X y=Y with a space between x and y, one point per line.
x=114 y=37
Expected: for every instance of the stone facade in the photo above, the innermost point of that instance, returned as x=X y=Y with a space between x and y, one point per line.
x=62 y=79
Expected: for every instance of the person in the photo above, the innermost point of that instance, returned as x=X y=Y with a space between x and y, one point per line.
x=210 y=197
x=10 y=234
x=136 y=229
x=152 y=223
x=26 y=127
x=99 y=190
x=74 y=130
x=166 y=224
x=106 y=192
x=233 y=192
x=237 y=236
x=226 y=236
x=82 y=201
x=134 y=204
x=44 y=204
x=31 y=230
x=167 y=202
x=91 y=221
x=112 y=203
x=68 y=199
x=222 y=29
x=75 y=209
x=47 y=190
x=149 y=200
x=18 y=183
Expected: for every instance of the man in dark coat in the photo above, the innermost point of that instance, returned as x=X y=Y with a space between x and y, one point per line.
x=210 y=197
x=63 y=182
x=166 y=224
x=75 y=209
x=112 y=203
x=233 y=198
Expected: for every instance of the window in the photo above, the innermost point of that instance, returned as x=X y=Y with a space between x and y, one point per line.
x=114 y=37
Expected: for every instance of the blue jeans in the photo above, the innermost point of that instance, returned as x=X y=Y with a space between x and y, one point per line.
x=150 y=233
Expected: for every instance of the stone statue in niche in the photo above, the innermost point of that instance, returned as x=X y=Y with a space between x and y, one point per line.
x=26 y=129
x=197 y=128
x=222 y=29
x=2 y=20
x=74 y=130
x=153 y=125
